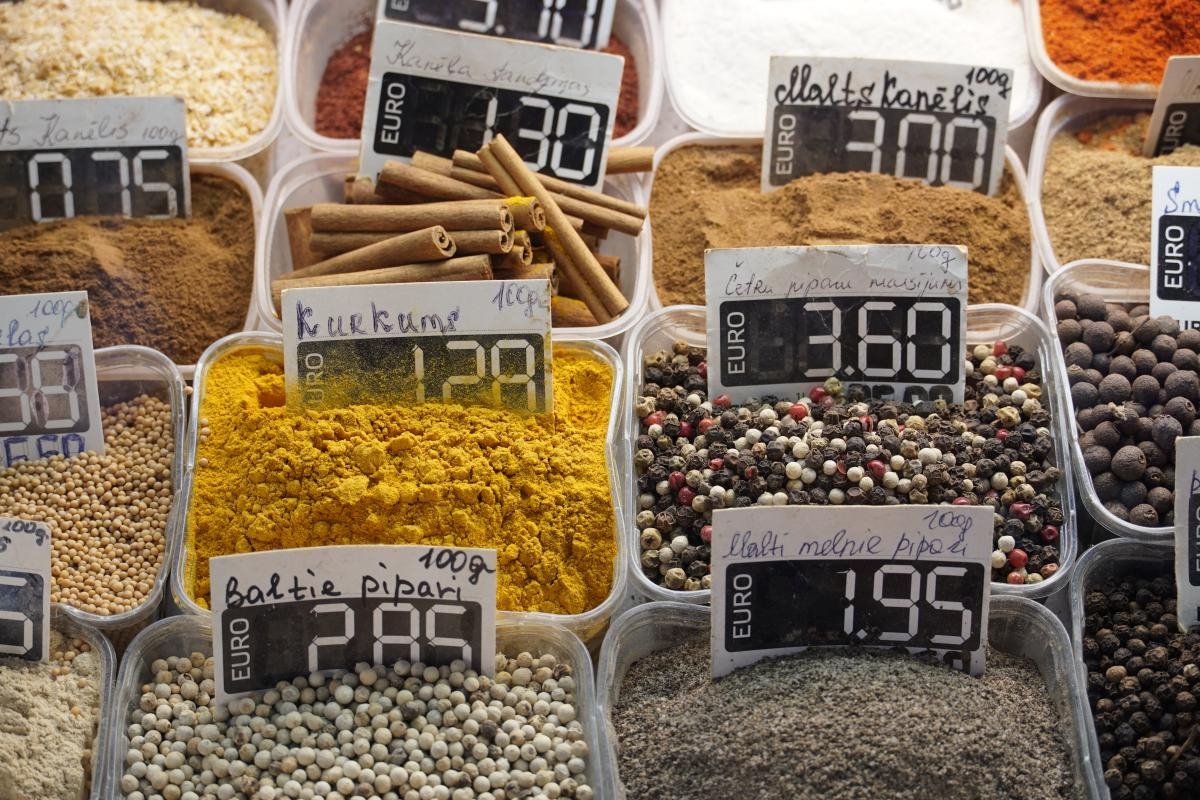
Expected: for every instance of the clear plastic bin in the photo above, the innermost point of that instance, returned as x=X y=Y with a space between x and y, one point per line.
x=1063 y=79
x=1066 y=113
x=319 y=179
x=316 y=28
x=588 y=626
x=1015 y=626
x=1118 y=282
x=1105 y=560
x=1018 y=116
x=1033 y=284
x=124 y=372
x=180 y=636
x=985 y=324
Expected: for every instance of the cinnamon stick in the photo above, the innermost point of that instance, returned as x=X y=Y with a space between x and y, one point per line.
x=498 y=173
x=429 y=184
x=428 y=244
x=519 y=272
x=528 y=214
x=474 y=215
x=474 y=242
x=524 y=244
x=431 y=162
x=299 y=230
x=361 y=190
x=466 y=268
x=568 y=277
x=332 y=244
x=567 y=312
x=629 y=159
x=611 y=266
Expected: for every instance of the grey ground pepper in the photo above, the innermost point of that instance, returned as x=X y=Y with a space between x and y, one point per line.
x=847 y=726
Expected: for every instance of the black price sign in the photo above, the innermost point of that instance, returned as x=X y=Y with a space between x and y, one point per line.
x=292 y=612
x=939 y=123
x=568 y=23
x=49 y=402
x=117 y=156
x=1187 y=529
x=915 y=577
x=439 y=91
x=1175 y=244
x=888 y=320
x=475 y=343
x=1176 y=117
x=24 y=589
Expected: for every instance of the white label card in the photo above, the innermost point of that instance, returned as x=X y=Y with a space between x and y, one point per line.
x=567 y=23
x=102 y=156
x=472 y=342
x=24 y=589
x=1187 y=529
x=889 y=320
x=1175 y=244
x=284 y=613
x=1176 y=118
x=944 y=124
x=789 y=578
x=439 y=91
x=49 y=401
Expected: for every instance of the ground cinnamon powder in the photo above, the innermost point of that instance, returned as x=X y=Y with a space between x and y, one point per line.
x=709 y=197
x=174 y=285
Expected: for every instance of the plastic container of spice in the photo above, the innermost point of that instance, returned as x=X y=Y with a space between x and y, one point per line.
x=1066 y=113
x=588 y=626
x=319 y=179
x=317 y=28
x=1033 y=284
x=1016 y=626
x=985 y=324
x=1065 y=80
x=181 y=636
x=1118 y=282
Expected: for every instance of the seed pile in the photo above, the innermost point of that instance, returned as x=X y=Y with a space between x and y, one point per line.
x=829 y=724
x=694 y=455
x=1143 y=680
x=1134 y=388
x=414 y=732
x=48 y=717
x=107 y=513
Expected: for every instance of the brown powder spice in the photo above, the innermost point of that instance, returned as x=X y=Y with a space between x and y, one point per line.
x=709 y=197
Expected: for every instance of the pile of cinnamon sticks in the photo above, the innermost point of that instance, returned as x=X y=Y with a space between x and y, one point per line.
x=474 y=217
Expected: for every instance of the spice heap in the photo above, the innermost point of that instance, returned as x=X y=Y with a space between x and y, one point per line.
x=107 y=513
x=1125 y=42
x=504 y=222
x=729 y=94
x=438 y=473
x=694 y=455
x=223 y=65
x=1096 y=192
x=412 y=731
x=1134 y=388
x=709 y=197
x=343 y=89
x=48 y=717
x=1143 y=678
x=173 y=285
x=851 y=725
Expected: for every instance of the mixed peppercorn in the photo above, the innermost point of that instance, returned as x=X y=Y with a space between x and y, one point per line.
x=694 y=455
x=1143 y=680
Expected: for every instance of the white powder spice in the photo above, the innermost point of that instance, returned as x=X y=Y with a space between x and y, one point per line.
x=729 y=93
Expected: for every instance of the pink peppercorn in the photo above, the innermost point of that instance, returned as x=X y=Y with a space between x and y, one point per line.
x=1049 y=533
x=1018 y=558
x=706 y=534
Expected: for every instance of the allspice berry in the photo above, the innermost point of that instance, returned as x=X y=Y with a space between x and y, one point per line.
x=1129 y=463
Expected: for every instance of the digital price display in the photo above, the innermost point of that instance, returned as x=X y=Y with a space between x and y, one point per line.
x=1175 y=244
x=440 y=91
x=475 y=343
x=942 y=124
x=1187 y=530
x=119 y=156
x=567 y=23
x=913 y=577
x=24 y=589
x=284 y=613
x=49 y=400
x=887 y=320
x=1175 y=120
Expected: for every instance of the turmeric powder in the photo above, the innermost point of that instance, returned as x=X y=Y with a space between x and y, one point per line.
x=436 y=474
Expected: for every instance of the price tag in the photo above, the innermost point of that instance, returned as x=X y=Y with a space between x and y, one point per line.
x=24 y=589
x=567 y=23
x=944 y=124
x=785 y=579
x=887 y=320
x=441 y=91
x=1187 y=530
x=285 y=613
x=49 y=403
x=123 y=156
x=1175 y=244
x=471 y=342
x=1176 y=118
